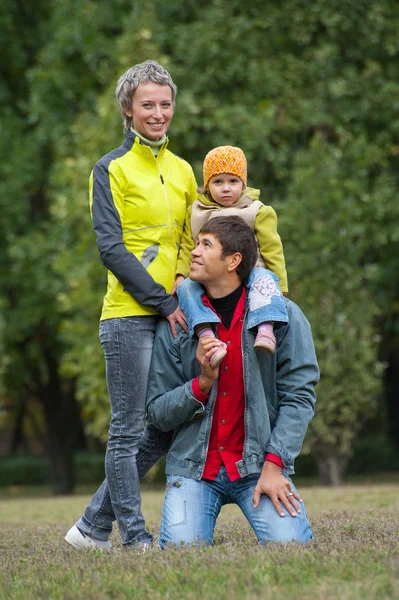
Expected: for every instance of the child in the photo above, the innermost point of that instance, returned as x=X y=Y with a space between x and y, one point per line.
x=225 y=193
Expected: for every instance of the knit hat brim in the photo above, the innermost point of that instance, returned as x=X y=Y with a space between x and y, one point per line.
x=225 y=159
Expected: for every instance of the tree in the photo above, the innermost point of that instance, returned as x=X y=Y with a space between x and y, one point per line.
x=50 y=70
x=326 y=251
x=318 y=84
x=307 y=90
x=301 y=90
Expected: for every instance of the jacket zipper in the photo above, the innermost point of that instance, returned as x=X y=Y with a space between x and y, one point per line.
x=167 y=204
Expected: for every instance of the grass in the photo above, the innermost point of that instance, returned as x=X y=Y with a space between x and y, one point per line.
x=355 y=554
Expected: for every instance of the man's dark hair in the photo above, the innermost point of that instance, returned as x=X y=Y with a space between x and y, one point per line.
x=234 y=235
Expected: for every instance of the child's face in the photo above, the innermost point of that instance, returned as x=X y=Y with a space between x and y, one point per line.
x=225 y=189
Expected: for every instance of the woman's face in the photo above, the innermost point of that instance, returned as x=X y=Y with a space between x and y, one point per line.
x=152 y=110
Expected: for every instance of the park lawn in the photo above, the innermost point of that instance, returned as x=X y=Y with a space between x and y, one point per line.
x=355 y=554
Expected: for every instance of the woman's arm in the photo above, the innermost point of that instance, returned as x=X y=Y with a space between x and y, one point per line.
x=107 y=208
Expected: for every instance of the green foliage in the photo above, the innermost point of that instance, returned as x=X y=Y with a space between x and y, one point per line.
x=308 y=90
x=331 y=279
x=34 y=470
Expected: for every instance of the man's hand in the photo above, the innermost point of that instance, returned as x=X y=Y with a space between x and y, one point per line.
x=273 y=483
x=207 y=346
x=177 y=317
x=179 y=279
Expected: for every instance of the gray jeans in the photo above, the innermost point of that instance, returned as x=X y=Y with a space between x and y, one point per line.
x=127 y=344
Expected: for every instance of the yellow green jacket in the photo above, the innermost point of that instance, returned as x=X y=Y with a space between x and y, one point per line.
x=138 y=204
x=261 y=218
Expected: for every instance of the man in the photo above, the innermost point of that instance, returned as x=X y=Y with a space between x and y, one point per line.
x=239 y=427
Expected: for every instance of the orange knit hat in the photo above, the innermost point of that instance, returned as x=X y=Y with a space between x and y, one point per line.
x=225 y=159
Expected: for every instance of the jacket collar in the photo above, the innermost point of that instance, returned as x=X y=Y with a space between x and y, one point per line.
x=250 y=194
x=134 y=141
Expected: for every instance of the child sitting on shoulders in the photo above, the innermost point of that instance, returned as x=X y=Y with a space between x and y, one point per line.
x=225 y=193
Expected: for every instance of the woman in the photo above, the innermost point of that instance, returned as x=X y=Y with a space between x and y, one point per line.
x=139 y=195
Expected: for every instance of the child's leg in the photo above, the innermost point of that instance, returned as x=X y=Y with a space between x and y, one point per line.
x=265 y=338
x=199 y=317
x=190 y=294
x=216 y=358
x=266 y=306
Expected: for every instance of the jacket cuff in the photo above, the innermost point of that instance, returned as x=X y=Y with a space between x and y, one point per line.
x=274 y=459
x=182 y=270
x=287 y=459
x=197 y=392
x=169 y=306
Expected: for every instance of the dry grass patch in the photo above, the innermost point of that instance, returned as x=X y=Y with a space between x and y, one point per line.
x=355 y=554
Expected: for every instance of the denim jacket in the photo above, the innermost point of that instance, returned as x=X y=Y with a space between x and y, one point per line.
x=279 y=397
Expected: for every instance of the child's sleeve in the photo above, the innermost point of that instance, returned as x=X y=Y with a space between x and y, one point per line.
x=270 y=245
x=186 y=245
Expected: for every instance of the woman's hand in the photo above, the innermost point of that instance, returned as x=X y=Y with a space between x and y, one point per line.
x=177 y=317
x=178 y=281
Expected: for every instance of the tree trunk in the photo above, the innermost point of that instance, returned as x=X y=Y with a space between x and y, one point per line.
x=391 y=382
x=331 y=467
x=63 y=429
x=63 y=426
x=17 y=439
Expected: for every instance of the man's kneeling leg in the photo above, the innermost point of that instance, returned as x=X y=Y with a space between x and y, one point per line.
x=265 y=520
x=189 y=511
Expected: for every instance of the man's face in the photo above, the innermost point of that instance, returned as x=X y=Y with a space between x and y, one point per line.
x=207 y=264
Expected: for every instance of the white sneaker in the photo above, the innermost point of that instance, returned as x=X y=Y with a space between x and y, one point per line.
x=82 y=541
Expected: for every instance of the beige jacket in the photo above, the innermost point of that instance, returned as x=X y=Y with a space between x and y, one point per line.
x=261 y=218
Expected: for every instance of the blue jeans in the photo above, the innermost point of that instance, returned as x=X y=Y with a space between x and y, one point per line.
x=191 y=508
x=266 y=302
x=127 y=344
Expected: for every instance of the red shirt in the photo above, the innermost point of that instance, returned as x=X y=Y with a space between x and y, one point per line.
x=227 y=435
